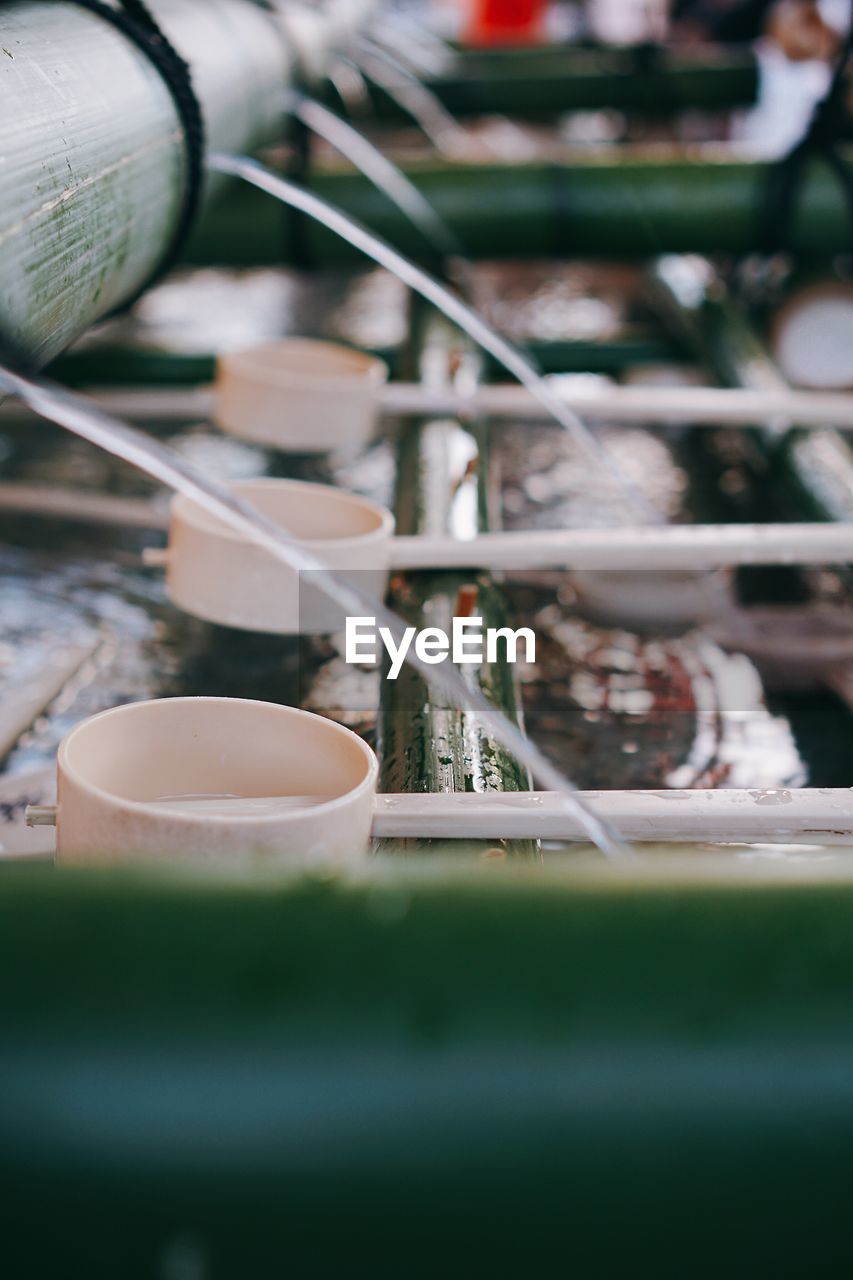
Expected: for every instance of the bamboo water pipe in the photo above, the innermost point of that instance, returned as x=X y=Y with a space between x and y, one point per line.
x=701 y=200
x=135 y=367
x=94 y=157
x=540 y=83
x=427 y=744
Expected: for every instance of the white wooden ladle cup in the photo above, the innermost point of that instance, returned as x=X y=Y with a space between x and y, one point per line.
x=238 y=784
x=215 y=574
x=305 y=395
x=667 y=575
x=299 y=395
x=214 y=780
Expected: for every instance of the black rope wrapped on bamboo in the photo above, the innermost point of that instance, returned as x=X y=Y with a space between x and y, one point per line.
x=135 y=20
x=830 y=124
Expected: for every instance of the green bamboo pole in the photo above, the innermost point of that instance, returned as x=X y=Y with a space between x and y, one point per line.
x=540 y=83
x=693 y=298
x=626 y=204
x=612 y=1075
x=810 y=472
x=427 y=744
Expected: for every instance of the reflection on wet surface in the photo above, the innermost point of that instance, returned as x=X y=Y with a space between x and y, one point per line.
x=213 y=310
x=83 y=625
x=547 y=301
x=627 y=711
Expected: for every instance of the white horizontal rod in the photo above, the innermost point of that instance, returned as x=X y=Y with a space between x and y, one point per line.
x=653 y=547
x=87 y=507
x=807 y=816
x=702 y=406
x=712 y=406
x=175 y=404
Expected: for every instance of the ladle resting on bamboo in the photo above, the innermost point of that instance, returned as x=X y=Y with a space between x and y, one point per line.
x=160 y=781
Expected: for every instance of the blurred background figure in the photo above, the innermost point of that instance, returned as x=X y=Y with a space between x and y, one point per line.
x=505 y=21
x=805 y=30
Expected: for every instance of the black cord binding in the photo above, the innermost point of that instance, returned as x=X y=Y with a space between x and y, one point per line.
x=830 y=124
x=134 y=20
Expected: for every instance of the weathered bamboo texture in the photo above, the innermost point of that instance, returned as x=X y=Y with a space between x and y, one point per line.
x=92 y=148
x=634 y=204
x=427 y=744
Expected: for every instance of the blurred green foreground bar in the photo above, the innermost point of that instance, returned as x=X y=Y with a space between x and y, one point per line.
x=555 y=1072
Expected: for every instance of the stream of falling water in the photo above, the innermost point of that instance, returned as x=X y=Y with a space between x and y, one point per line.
x=417 y=101
x=379 y=170
x=164 y=464
x=448 y=303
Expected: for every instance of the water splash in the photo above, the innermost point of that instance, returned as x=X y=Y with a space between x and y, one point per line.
x=441 y=297
x=164 y=464
x=379 y=170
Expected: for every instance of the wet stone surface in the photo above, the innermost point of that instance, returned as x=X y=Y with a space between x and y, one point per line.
x=84 y=626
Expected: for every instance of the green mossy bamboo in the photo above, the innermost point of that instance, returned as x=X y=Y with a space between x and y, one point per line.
x=537 y=84
x=810 y=472
x=606 y=205
x=108 y=365
x=93 y=153
x=426 y=743
x=94 y=156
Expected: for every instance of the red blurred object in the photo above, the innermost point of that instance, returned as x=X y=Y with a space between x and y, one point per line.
x=505 y=21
